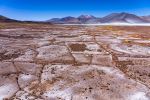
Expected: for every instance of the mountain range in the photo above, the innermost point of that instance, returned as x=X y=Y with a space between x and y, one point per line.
x=111 y=18
x=89 y=19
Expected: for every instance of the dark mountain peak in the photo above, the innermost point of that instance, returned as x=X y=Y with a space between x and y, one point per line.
x=6 y=19
x=122 y=17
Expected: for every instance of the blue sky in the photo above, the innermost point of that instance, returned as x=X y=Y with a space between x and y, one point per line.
x=46 y=9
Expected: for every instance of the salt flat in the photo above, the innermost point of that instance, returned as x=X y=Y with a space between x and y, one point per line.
x=74 y=62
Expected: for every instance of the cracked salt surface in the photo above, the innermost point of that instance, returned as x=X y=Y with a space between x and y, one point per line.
x=93 y=47
x=112 y=71
x=138 y=93
x=47 y=69
x=7 y=90
x=138 y=96
x=64 y=94
x=134 y=50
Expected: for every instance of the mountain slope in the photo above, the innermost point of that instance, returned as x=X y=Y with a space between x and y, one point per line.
x=85 y=18
x=5 y=19
x=147 y=18
x=122 y=18
x=70 y=20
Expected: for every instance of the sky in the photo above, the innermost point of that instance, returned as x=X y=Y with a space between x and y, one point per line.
x=46 y=9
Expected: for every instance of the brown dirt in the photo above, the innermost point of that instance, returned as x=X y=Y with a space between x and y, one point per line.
x=78 y=47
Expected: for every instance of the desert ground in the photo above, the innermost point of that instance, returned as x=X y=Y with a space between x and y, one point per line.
x=74 y=62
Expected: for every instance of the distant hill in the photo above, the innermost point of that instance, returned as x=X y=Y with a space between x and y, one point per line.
x=5 y=19
x=111 y=18
x=65 y=20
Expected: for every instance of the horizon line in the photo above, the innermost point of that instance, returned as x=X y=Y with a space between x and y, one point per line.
x=76 y=16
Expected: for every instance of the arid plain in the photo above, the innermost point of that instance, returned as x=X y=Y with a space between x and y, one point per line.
x=62 y=62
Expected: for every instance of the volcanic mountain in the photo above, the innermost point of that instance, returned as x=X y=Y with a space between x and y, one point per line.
x=123 y=18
